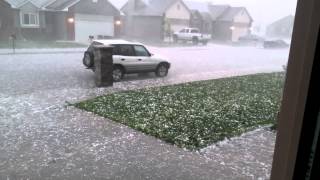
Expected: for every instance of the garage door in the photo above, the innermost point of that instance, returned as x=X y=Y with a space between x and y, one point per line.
x=92 y=25
x=238 y=32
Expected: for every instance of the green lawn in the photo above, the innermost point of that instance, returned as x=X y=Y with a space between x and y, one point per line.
x=39 y=44
x=194 y=115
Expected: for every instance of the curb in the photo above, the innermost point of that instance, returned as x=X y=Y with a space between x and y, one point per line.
x=44 y=52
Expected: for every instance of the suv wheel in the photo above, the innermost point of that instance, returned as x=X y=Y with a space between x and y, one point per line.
x=162 y=70
x=88 y=59
x=117 y=73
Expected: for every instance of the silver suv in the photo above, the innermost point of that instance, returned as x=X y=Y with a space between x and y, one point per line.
x=129 y=58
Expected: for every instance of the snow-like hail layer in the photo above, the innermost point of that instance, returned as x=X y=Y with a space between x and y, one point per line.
x=42 y=137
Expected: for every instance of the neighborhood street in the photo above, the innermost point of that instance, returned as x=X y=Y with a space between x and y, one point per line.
x=41 y=137
x=27 y=73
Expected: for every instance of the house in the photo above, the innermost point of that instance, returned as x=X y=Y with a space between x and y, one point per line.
x=6 y=20
x=225 y=23
x=201 y=20
x=200 y=17
x=63 y=19
x=156 y=18
x=230 y=23
x=281 y=28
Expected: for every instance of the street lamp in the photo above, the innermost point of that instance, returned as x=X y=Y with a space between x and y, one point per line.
x=232 y=28
x=70 y=20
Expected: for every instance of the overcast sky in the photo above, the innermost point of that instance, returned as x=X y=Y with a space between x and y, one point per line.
x=263 y=11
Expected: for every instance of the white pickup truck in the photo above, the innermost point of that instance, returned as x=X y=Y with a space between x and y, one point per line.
x=191 y=34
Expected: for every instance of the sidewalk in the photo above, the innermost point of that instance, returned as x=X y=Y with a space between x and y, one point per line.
x=42 y=51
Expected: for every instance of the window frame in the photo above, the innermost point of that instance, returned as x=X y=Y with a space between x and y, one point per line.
x=289 y=157
x=35 y=14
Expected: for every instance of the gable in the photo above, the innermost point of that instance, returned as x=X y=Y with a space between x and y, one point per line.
x=29 y=7
x=139 y=4
x=3 y=3
x=178 y=10
x=99 y=7
x=242 y=17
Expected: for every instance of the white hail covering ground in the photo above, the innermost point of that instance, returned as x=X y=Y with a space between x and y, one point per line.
x=40 y=137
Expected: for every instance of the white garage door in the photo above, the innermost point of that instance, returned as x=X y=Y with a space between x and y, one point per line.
x=92 y=25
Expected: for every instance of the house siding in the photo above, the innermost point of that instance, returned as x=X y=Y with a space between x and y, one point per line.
x=40 y=32
x=242 y=17
x=221 y=30
x=282 y=28
x=147 y=27
x=56 y=23
x=196 y=21
x=30 y=8
x=6 y=21
x=178 y=16
x=241 y=24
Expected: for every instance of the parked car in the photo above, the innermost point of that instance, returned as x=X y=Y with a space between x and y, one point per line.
x=191 y=34
x=275 y=44
x=250 y=39
x=128 y=58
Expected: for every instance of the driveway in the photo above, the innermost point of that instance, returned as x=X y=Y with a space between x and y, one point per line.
x=42 y=138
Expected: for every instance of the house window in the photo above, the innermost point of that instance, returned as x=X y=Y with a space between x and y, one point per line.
x=29 y=19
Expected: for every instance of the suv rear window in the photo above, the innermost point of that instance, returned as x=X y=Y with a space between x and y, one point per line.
x=123 y=50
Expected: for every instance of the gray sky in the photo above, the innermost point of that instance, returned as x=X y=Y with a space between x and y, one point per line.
x=263 y=11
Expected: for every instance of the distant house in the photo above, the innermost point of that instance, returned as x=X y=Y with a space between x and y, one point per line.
x=201 y=20
x=155 y=19
x=6 y=20
x=230 y=23
x=282 y=28
x=223 y=21
x=62 y=19
x=200 y=17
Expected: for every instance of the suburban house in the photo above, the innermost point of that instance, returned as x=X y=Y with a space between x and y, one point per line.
x=282 y=28
x=6 y=20
x=230 y=23
x=73 y=20
x=156 y=18
x=201 y=20
x=200 y=16
x=227 y=23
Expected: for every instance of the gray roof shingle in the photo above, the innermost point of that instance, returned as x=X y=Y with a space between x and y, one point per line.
x=140 y=4
x=37 y=3
x=46 y=4
x=153 y=8
x=60 y=4
x=200 y=6
x=231 y=13
x=216 y=11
